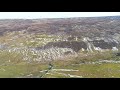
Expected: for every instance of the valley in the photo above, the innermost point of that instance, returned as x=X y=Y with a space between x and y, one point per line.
x=60 y=48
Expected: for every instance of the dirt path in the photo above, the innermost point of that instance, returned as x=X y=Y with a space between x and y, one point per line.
x=50 y=67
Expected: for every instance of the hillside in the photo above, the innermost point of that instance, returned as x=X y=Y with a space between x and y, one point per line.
x=35 y=44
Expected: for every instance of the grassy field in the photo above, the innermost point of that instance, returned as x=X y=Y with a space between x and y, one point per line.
x=12 y=65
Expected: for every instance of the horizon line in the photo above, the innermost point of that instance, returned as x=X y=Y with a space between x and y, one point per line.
x=63 y=17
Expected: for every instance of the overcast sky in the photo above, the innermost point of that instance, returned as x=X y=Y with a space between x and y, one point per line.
x=35 y=15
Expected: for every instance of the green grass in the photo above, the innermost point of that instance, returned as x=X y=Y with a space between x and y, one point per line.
x=21 y=70
x=104 y=70
x=97 y=71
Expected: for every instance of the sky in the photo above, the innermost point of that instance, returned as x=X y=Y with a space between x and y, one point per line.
x=37 y=15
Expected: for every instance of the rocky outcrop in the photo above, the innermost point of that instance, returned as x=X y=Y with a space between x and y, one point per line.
x=74 y=45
